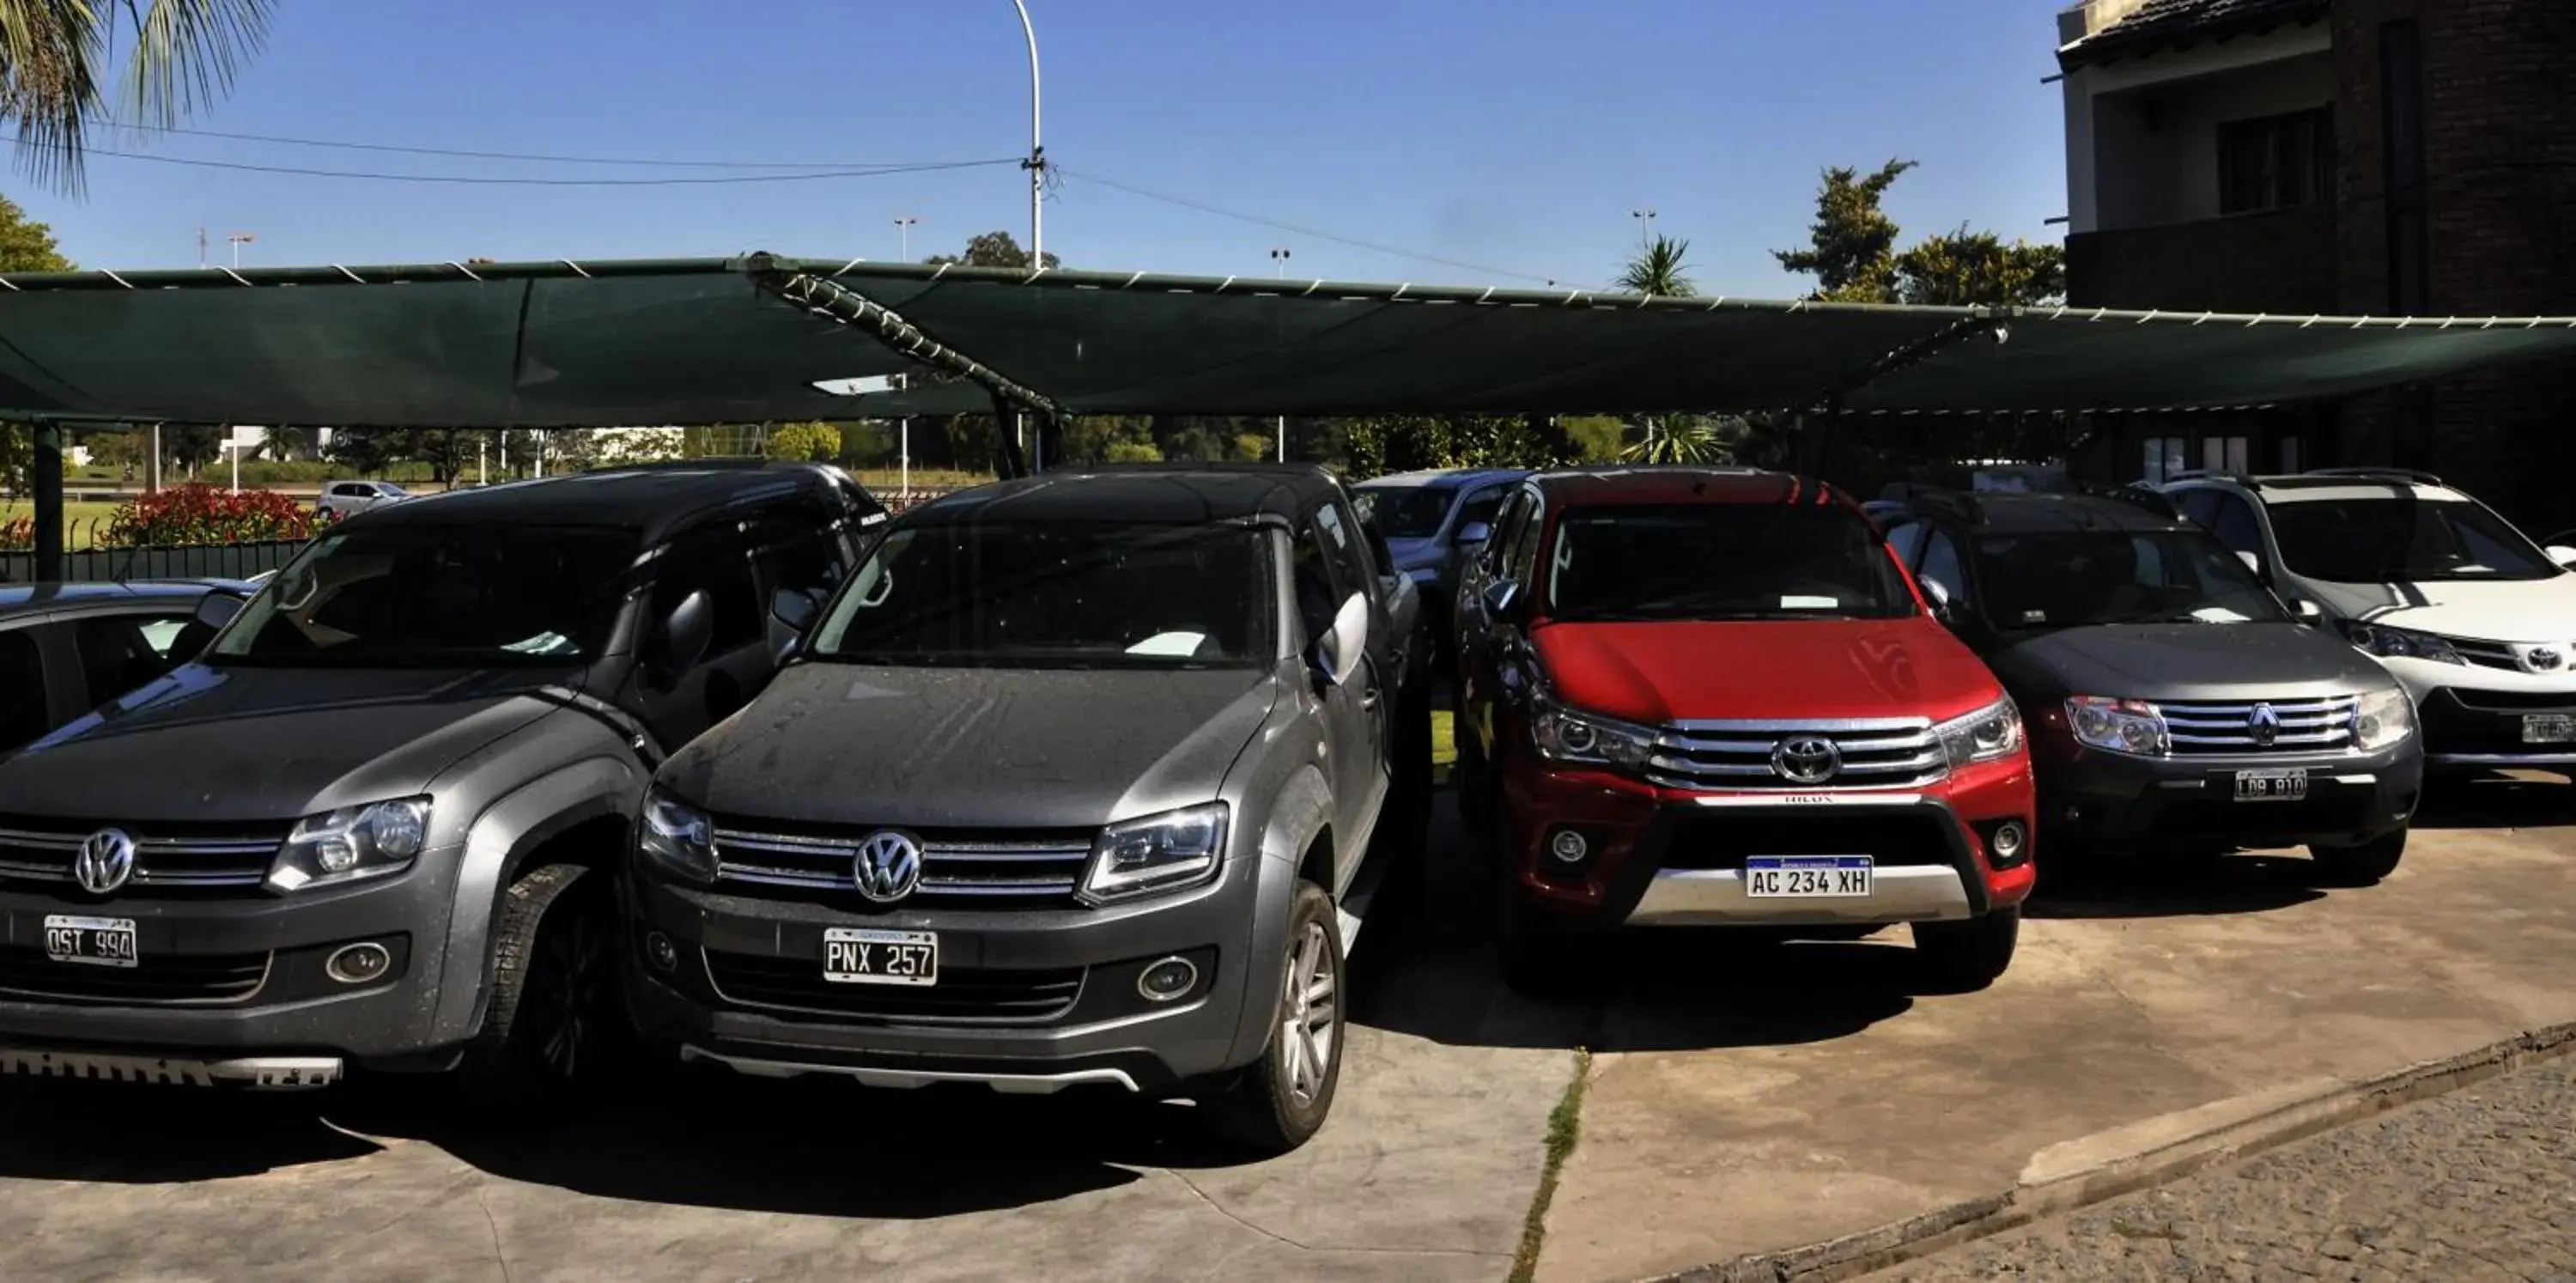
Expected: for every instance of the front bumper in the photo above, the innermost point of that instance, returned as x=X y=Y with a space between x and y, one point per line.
x=1661 y=857
x=2469 y=727
x=2112 y=802
x=1026 y=1000
x=229 y=990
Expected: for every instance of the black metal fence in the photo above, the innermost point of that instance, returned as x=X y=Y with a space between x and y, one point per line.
x=207 y=561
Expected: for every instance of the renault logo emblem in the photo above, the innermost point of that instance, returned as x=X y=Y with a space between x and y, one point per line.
x=1807 y=760
x=105 y=862
x=2264 y=725
x=888 y=867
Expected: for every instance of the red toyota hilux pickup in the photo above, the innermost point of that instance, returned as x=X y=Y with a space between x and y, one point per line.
x=1710 y=697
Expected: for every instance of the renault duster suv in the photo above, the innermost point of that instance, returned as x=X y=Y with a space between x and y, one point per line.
x=1071 y=785
x=1703 y=696
x=373 y=823
x=2176 y=707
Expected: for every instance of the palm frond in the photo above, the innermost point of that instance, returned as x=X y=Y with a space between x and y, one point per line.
x=184 y=56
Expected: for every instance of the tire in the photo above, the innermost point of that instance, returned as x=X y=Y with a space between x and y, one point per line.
x=1963 y=957
x=1280 y=1100
x=552 y=1018
x=2359 y=865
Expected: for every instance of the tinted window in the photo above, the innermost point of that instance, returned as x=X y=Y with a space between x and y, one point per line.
x=1058 y=595
x=1941 y=566
x=797 y=552
x=2061 y=579
x=1481 y=506
x=2234 y=525
x=1507 y=532
x=463 y=596
x=1521 y=559
x=1721 y=561
x=1342 y=536
x=22 y=690
x=117 y=654
x=1406 y=512
x=714 y=561
x=1907 y=540
x=1311 y=576
x=2401 y=537
x=2199 y=505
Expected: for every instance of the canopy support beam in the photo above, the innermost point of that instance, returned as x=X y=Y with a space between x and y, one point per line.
x=839 y=303
x=1816 y=443
x=47 y=474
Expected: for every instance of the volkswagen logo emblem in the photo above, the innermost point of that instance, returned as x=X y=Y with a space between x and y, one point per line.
x=1807 y=760
x=888 y=867
x=2543 y=659
x=105 y=862
x=2264 y=725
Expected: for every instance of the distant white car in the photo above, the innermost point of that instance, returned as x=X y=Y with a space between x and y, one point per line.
x=345 y=498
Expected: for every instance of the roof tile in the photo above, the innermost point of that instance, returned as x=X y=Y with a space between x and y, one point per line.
x=2173 y=23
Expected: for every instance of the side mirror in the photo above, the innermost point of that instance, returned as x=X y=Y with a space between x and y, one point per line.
x=1938 y=594
x=1339 y=651
x=685 y=634
x=216 y=609
x=2308 y=613
x=1501 y=596
x=1473 y=534
x=2562 y=554
x=794 y=609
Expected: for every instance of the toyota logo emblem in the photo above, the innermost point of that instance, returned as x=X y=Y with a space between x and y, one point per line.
x=2264 y=725
x=105 y=862
x=888 y=867
x=1807 y=760
x=2543 y=659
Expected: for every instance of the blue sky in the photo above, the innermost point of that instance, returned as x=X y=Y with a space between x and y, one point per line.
x=1513 y=136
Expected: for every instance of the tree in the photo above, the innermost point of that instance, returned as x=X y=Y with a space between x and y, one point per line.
x=1656 y=271
x=992 y=249
x=1967 y=267
x=53 y=86
x=25 y=244
x=815 y=442
x=1852 y=244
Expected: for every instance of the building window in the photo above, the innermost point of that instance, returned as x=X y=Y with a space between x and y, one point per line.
x=2290 y=456
x=2225 y=454
x=2164 y=459
x=2276 y=162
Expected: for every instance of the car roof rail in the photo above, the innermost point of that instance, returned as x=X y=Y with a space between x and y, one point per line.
x=2212 y=474
x=2416 y=475
x=2136 y=494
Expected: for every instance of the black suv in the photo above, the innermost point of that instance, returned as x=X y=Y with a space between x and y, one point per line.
x=370 y=822
x=2174 y=703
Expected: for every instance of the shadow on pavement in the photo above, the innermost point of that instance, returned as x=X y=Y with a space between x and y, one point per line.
x=2203 y=886
x=2496 y=802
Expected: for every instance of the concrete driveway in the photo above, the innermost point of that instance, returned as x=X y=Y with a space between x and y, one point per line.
x=1741 y=1101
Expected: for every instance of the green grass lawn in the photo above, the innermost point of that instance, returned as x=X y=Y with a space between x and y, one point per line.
x=84 y=520
x=1444 y=745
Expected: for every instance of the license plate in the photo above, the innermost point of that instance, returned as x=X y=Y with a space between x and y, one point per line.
x=2271 y=786
x=92 y=942
x=1806 y=875
x=2548 y=728
x=859 y=956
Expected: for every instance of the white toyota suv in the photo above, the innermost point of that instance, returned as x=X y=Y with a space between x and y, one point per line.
x=2475 y=620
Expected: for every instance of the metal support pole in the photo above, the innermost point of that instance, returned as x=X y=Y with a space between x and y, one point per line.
x=903 y=454
x=152 y=477
x=1036 y=163
x=49 y=500
x=1007 y=443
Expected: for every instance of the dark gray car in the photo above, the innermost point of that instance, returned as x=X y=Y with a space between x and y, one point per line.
x=371 y=823
x=2174 y=704
x=1071 y=785
x=68 y=648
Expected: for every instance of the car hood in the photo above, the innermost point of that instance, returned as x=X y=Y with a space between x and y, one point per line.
x=832 y=743
x=2186 y=662
x=267 y=744
x=1657 y=673
x=2525 y=610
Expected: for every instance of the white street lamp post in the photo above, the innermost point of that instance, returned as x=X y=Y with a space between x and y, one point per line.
x=1036 y=163
x=239 y=239
x=1280 y=257
x=903 y=233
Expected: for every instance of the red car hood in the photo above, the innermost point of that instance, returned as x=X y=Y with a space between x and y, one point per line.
x=1655 y=673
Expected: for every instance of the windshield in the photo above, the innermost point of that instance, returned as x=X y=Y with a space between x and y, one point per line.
x=1722 y=561
x=1058 y=595
x=390 y=488
x=2068 y=579
x=2398 y=537
x=1405 y=512
x=467 y=596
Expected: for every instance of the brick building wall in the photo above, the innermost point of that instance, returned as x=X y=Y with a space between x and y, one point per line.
x=2281 y=261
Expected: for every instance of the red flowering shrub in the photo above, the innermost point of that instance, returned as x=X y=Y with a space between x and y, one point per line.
x=203 y=514
x=17 y=532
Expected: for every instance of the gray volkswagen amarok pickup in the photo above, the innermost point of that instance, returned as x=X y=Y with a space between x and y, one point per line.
x=374 y=822
x=1071 y=784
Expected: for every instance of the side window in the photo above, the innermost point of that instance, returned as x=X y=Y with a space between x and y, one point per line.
x=714 y=561
x=2235 y=525
x=1507 y=524
x=1523 y=565
x=1341 y=533
x=2199 y=506
x=797 y=550
x=1941 y=565
x=1480 y=508
x=117 y=654
x=1312 y=576
x=1907 y=541
x=22 y=690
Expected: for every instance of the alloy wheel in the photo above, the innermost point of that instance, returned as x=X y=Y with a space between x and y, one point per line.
x=1309 y=1006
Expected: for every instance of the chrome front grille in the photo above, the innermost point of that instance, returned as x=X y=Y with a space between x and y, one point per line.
x=1868 y=753
x=2487 y=654
x=170 y=860
x=2239 y=727
x=984 y=868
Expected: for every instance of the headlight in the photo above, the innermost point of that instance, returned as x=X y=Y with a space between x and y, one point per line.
x=350 y=844
x=2399 y=643
x=2382 y=718
x=677 y=837
x=1172 y=851
x=1588 y=739
x=2120 y=725
x=1982 y=736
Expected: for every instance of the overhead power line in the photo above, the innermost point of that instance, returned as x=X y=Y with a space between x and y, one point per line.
x=662 y=162
x=495 y=181
x=1308 y=232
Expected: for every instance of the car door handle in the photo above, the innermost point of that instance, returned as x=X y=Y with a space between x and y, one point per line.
x=1368 y=699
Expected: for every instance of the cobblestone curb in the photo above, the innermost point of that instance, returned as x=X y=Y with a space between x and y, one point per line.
x=2123 y=1161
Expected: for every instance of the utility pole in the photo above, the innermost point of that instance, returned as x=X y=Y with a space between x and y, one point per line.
x=903 y=232
x=1036 y=163
x=201 y=245
x=239 y=239
x=1279 y=257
